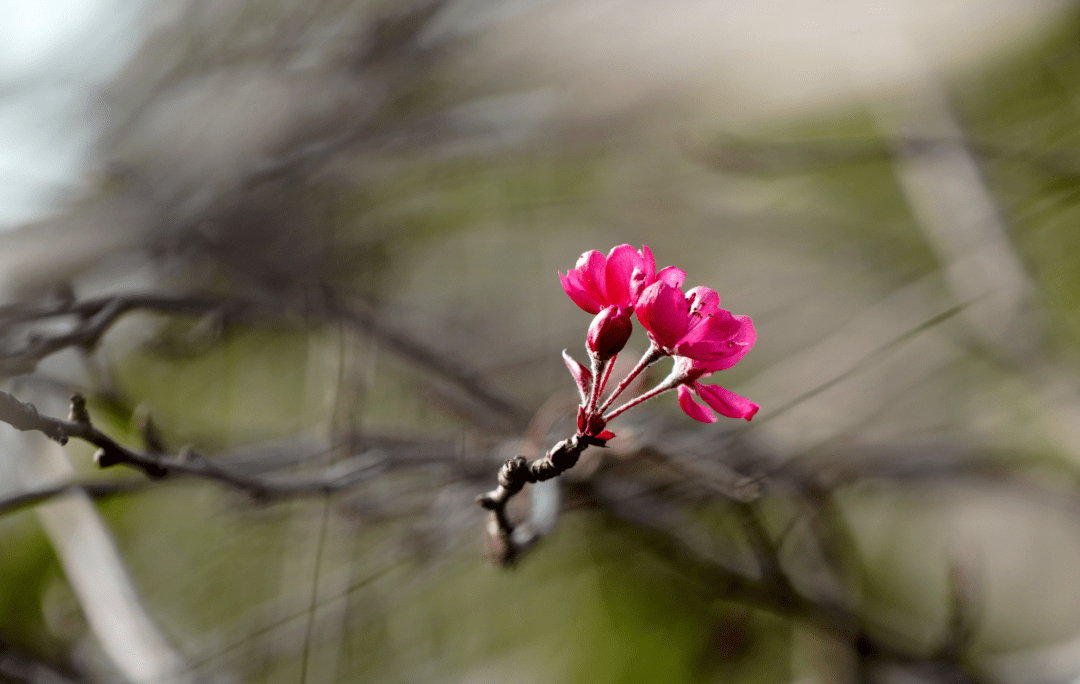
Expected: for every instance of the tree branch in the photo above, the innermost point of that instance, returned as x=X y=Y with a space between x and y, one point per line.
x=513 y=476
x=97 y=315
x=24 y=416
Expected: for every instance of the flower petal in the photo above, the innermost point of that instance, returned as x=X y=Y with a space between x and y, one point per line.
x=726 y=402
x=704 y=301
x=720 y=341
x=571 y=282
x=673 y=276
x=644 y=274
x=663 y=311
x=621 y=261
x=591 y=271
x=738 y=344
x=648 y=264
x=694 y=409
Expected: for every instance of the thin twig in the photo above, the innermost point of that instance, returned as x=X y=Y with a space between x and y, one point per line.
x=24 y=416
x=96 y=316
x=774 y=592
x=469 y=380
x=94 y=489
x=315 y=572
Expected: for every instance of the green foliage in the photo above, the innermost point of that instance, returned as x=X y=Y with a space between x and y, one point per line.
x=27 y=562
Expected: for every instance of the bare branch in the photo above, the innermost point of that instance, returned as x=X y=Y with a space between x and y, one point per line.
x=96 y=317
x=469 y=380
x=775 y=594
x=24 y=416
x=513 y=476
x=94 y=489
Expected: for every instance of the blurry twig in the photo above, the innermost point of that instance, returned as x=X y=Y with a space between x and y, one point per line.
x=23 y=416
x=319 y=548
x=763 y=547
x=297 y=614
x=468 y=379
x=861 y=363
x=17 y=665
x=736 y=155
x=775 y=593
x=965 y=609
x=96 y=316
x=93 y=489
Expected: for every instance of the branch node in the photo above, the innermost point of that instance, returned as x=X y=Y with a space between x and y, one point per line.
x=151 y=436
x=78 y=412
x=487 y=501
x=154 y=470
x=105 y=458
x=514 y=475
x=500 y=549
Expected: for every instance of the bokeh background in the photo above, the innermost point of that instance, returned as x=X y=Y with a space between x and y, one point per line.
x=890 y=190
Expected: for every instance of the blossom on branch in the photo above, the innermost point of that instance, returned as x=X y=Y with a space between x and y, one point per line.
x=618 y=279
x=691 y=327
x=726 y=402
x=694 y=326
x=704 y=339
x=593 y=425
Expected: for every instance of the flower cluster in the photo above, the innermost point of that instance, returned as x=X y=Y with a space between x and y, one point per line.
x=690 y=327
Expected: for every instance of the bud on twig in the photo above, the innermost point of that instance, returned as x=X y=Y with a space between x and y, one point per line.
x=609 y=332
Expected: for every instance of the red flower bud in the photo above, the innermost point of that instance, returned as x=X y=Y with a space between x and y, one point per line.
x=609 y=332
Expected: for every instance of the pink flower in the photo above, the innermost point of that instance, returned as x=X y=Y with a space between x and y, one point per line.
x=693 y=325
x=725 y=401
x=598 y=282
x=704 y=339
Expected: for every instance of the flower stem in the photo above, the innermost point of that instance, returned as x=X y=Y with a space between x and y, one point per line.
x=601 y=369
x=670 y=382
x=603 y=383
x=651 y=356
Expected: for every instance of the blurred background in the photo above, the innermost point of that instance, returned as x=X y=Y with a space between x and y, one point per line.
x=318 y=242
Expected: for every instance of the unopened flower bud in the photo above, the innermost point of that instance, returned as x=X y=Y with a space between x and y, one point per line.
x=609 y=332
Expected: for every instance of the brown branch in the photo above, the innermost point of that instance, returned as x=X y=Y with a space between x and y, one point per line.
x=24 y=416
x=468 y=379
x=775 y=593
x=95 y=489
x=96 y=316
x=513 y=476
